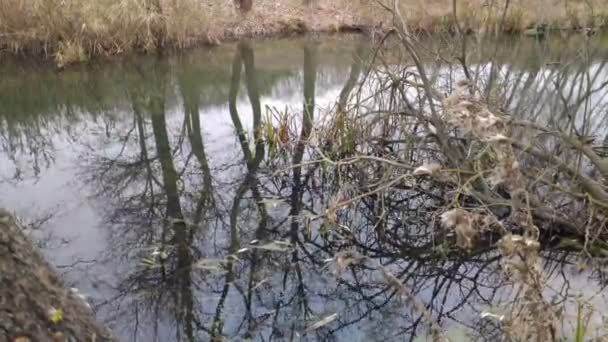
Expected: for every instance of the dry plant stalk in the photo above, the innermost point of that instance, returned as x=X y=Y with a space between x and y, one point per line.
x=492 y=179
x=531 y=316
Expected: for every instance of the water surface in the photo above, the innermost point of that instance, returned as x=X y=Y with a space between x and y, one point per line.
x=152 y=194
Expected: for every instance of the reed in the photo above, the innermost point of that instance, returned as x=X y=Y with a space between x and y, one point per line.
x=503 y=16
x=74 y=31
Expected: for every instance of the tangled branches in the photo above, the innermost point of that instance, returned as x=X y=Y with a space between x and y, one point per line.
x=500 y=178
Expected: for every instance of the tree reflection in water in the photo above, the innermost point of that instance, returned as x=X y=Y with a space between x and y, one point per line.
x=199 y=245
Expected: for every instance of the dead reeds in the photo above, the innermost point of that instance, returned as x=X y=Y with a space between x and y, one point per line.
x=74 y=31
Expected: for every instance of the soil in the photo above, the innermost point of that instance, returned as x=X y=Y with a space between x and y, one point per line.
x=280 y=18
x=35 y=306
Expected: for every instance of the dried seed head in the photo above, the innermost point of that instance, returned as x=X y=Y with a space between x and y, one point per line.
x=430 y=169
x=463 y=224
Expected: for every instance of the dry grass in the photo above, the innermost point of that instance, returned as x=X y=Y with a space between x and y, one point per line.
x=490 y=15
x=73 y=31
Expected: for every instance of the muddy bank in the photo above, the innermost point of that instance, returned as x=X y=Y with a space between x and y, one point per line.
x=34 y=303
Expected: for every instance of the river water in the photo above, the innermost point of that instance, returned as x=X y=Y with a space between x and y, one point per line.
x=145 y=187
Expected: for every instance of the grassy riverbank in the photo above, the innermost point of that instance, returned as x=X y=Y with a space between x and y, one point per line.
x=504 y=16
x=73 y=31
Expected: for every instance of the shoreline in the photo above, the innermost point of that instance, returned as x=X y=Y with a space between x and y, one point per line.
x=217 y=22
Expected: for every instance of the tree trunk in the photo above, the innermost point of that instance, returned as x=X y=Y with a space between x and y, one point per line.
x=244 y=5
x=34 y=303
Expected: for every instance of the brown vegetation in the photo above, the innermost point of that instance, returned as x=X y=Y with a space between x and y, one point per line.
x=503 y=15
x=494 y=175
x=73 y=31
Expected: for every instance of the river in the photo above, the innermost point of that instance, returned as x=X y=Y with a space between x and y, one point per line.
x=145 y=186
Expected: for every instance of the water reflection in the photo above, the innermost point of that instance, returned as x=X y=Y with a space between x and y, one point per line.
x=200 y=229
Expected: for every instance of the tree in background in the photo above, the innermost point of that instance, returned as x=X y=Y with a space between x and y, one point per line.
x=244 y=5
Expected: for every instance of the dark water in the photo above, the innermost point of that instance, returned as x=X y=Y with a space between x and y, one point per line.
x=150 y=193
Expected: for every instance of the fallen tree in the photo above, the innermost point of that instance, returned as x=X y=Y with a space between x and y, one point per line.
x=34 y=303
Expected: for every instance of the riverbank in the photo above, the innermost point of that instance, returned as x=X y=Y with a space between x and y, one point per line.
x=35 y=305
x=74 y=31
